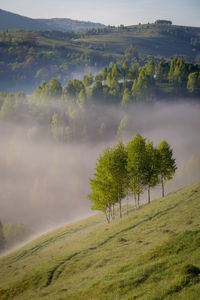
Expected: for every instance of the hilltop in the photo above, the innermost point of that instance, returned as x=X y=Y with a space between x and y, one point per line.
x=151 y=254
x=9 y=20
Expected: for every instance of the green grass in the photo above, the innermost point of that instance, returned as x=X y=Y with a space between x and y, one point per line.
x=154 y=253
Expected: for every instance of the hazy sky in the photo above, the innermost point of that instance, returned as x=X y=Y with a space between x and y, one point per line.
x=114 y=12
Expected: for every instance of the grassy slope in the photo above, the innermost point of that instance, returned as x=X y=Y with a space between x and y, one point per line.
x=147 y=39
x=142 y=256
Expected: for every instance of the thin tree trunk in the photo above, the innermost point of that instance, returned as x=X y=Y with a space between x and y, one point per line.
x=163 y=187
x=138 y=200
x=107 y=216
x=127 y=198
x=110 y=213
x=149 y=196
x=120 y=208
x=135 y=200
x=113 y=211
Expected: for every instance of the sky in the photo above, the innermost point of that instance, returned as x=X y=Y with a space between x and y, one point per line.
x=113 y=12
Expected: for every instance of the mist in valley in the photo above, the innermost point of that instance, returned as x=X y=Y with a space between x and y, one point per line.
x=44 y=183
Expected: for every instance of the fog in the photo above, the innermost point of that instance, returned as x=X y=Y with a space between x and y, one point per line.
x=44 y=183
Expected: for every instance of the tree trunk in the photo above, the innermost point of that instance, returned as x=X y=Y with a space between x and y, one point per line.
x=127 y=198
x=120 y=208
x=149 y=196
x=110 y=213
x=163 y=187
x=138 y=200
x=113 y=211
x=135 y=200
x=107 y=216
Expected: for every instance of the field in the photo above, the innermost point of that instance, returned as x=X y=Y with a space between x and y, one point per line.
x=153 y=253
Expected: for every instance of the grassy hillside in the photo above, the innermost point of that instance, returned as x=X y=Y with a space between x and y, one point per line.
x=154 y=253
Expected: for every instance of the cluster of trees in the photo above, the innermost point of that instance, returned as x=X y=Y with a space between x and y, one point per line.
x=127 y=84
x=128 y=170
x=28 y=57
x=66 y=110
x=11 y=234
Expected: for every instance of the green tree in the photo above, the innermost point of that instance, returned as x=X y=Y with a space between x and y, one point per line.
x=136 y=165
x=119 y=172
x=55 y=88
x=116 y=74
x=152 y=167
x=133 y=72
x=9 y=107
x=167 y=164
x=124 y=70
x=162 y=71
x=126 y=98
x=104 y=72
x=142 y=88
x=88 y=80
x=193 y=84
x=97 y=90
x=103 y=190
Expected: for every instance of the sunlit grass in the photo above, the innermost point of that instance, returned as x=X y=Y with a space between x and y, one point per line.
x=154 y=253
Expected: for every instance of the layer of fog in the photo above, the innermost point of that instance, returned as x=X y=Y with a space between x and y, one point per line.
x=44 y=184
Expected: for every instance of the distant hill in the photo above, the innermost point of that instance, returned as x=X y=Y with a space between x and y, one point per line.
x=28 y=57
x=67 y=25
x=154 y=253
x=10 y=20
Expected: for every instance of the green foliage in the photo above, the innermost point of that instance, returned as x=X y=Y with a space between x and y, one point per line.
x=88 y=80
x=136 y=165
x=162 y=71
x=167 y=164
x=193 y=84
x=121 y=171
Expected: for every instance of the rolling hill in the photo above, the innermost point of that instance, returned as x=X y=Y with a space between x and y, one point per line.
x=10 y=20
x=154 y=253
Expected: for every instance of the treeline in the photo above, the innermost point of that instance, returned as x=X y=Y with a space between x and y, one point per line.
x=67 y=112
x=12 y=234
x=129 y=83
x=122 y=171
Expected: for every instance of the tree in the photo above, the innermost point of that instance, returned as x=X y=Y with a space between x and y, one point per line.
x=162 y=71
x=88 y=80
x=116 y=74
x=193 y=84
x=103 y=189
x=97 y=90
x=126 y=97
x=55 y=88
x=2 y=238
x=142 y=86
x=152 y=167
x=133 y=72
x=167 y=164
x=136 y=165
x=125 y=70
x=119 y=172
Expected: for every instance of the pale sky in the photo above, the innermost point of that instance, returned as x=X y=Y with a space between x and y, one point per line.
x=113 y=12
